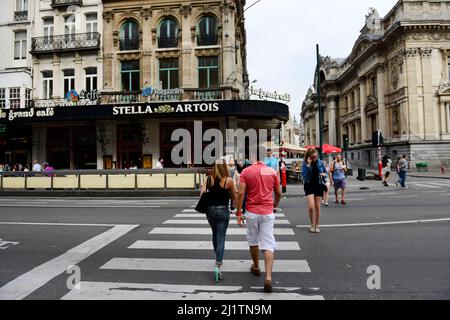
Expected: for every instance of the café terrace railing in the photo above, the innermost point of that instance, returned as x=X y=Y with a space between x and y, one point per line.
x=64 y=43
x=121 y=97
x=166 y=179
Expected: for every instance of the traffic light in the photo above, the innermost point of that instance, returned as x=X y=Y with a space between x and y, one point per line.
x=346 y=141
x=377 y=139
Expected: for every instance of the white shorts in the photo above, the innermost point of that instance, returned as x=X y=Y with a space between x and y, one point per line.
x=260 y=231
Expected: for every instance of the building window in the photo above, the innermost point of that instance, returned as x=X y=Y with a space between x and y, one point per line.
x=2 y=98
x=69 y=28
x=69 y=80
x=207 y=31
x=21 y=5
x=168 y=73
x=168 y=34
x=20 y=45
x=91 y=23
x=47 y=84
x=130 y=76
x=208 y=72
x=91 y=79
x=48 y=28
x=129 y=36
x=14 y=98
x=28 y=100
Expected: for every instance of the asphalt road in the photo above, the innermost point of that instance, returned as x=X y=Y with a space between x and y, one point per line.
x=159 y=249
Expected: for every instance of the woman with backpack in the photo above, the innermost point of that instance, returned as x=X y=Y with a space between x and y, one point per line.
x=221 y=190
x=338 y=178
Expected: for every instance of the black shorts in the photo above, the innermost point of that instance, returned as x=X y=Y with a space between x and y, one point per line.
x=316 y=190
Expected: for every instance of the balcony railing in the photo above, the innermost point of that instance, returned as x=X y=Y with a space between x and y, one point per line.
x=129 y=44
x=66 y=3
x=70 y=42
x=167 y=42
x=207 y=40
x=20 y=16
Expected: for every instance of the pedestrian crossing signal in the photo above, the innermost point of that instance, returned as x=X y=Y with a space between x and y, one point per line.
x=346 y=141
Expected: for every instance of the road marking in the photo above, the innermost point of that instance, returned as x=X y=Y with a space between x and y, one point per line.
x=29 y=282
x=197 y=265
x=81 y=206
x=207 y=231
x=204 y=221
x=205 y=245
x=443 y=184
x=189 y=211
x=134 y=291
x=198 y=215
x=377 y=224
x=404 y=197
x=7 y=244
x=57 y=224
x=427 y=186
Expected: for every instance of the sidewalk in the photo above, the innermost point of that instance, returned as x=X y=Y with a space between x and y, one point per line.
x=354 y=186
x=431 y=174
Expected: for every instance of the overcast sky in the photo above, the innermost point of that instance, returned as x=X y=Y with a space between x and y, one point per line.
x=282 y=37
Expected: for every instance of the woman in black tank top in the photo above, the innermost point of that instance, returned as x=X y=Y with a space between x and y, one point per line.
x=221 y=190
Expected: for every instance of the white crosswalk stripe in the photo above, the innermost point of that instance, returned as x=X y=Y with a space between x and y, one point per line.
x=197 y=265
x=134 y=291
x=204 y=221
x=205 y=245
x=188 y=246
x=207 y=231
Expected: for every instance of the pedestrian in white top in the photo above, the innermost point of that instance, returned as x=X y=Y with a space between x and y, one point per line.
x=160 y=164
x=37 y=167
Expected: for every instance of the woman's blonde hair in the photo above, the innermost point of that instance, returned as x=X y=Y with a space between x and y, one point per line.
x=220 y=170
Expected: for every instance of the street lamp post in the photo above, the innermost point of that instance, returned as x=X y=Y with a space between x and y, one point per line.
x=319 y=100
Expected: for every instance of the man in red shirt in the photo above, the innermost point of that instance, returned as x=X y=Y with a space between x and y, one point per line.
x=260 y=182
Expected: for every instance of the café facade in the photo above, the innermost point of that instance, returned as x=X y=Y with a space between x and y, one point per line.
x=113 y=136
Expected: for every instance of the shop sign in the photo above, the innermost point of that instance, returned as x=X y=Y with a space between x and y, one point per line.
x=161 y=93
x=262 y=94
x=13 y=114
x=72 y=96
x=93 y=95
x=180 y=108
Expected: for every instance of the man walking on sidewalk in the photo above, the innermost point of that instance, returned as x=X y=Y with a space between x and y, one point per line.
x=402 y=167
x=260 y=182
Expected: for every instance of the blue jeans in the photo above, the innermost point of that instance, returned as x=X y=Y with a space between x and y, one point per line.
x=219 y=219
x=402 y=175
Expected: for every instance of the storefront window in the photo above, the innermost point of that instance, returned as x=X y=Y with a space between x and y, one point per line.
x=208 y=72
x=130 y=76
x=168 y=73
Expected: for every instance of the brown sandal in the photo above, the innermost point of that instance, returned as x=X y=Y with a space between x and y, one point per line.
x=254 y=271
x=268 y=286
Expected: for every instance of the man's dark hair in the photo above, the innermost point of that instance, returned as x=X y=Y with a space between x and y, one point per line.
x=404 y=156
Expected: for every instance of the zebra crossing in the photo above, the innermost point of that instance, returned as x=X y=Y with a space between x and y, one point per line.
x=434 y=185
x=187 y=237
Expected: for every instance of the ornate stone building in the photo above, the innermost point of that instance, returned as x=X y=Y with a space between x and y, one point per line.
x=397 y=80
x=114 y=79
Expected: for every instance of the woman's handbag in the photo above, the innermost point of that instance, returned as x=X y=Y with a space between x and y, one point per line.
x=204 y=202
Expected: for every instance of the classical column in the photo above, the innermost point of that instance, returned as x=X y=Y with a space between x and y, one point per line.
x=188 y=58
x=363 y=102
x=332 y=120
x=229 y=41
x=381 y=100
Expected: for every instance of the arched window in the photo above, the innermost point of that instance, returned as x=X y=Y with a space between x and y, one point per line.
x=129 y=36
x=168 y=34
x=207 y=31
